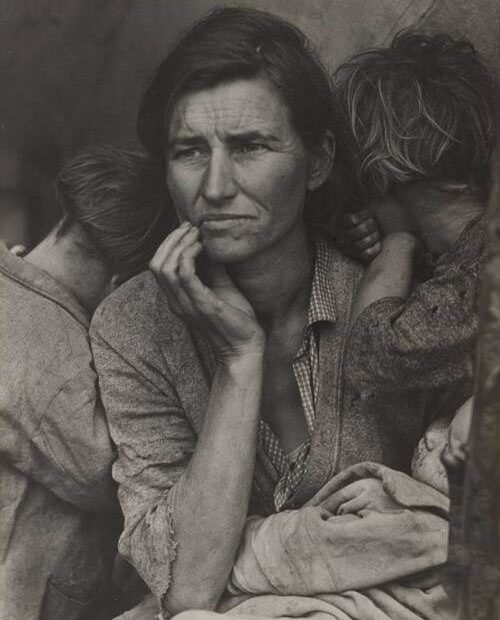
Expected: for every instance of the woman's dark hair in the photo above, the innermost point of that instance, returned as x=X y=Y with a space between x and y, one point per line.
x=117 y=198
x=422 y=109
x=236 y=43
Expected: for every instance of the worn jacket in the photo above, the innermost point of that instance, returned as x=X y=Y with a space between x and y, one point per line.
x=155 y=379
x=56 y=490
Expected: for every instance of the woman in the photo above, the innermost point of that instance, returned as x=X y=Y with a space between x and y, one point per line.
x=228 y=382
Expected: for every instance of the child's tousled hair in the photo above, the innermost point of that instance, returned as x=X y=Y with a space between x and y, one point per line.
x=422 y=109
x=117 y=198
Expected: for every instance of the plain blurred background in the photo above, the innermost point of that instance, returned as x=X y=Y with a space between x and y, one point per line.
x=72 y=72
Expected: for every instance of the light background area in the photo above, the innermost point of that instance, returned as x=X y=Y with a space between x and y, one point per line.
x=72 y=72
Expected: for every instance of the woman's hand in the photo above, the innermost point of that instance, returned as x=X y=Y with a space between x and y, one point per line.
x=365 y=494
x=218 y=479
x=219 y=310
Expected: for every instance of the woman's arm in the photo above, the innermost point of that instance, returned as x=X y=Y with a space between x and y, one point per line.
x=184 y=497
x=183 y=485
x=210 y=501
x=369 y=526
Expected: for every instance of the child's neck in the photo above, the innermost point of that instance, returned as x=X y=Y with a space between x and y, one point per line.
x=439 y=215
x=68 y=260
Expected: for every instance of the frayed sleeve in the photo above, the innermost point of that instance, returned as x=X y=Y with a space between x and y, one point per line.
x=154 y=442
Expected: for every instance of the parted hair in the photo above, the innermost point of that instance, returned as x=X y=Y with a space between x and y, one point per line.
x=423 y=108
x=116 y=196
x=242 y=43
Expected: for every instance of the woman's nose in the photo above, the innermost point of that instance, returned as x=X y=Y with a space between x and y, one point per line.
x=219 y=183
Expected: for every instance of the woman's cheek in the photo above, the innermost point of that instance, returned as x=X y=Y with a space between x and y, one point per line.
x=276 y=179
x=182 y=193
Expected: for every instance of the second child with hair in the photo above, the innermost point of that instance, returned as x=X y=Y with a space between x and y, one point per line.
x=422 y=113
x=59 y=511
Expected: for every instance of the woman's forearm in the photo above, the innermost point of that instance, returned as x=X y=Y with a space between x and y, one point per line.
x=210 y=501
x=348 y=537
x=389 y=274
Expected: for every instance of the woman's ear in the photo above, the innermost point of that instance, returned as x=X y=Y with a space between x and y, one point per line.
x=321 y=162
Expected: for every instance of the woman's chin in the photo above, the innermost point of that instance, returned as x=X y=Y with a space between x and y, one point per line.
x=226 y=251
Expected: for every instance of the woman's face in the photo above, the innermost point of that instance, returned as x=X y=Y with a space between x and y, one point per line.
x=237 y=168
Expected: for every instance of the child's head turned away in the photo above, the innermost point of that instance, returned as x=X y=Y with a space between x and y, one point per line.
x=422 y=109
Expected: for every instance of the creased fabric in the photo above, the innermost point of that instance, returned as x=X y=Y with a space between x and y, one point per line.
x=310 y=550
x=57 y=497
x=393 y=602
x=364 y=565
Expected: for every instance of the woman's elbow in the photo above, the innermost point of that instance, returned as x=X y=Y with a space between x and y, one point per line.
x=196 y=614
x=190 y=598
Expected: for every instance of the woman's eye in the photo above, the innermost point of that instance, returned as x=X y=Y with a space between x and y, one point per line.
x=192 y=152
x=250 y=147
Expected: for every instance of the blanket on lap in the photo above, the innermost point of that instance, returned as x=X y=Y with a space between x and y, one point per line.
x=374 y=564
x=349 y=553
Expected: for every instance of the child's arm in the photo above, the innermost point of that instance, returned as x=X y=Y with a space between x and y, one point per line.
x=389 y=275
x=427 y=340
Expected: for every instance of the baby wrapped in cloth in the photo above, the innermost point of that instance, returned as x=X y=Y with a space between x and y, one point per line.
x=370 y=545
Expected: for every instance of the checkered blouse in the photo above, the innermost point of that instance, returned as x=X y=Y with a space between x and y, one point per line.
x=291 y=467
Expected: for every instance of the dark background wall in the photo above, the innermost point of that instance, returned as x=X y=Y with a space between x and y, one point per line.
x=72 y=72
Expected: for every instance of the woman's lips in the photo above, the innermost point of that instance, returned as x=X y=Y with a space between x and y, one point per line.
x=221 y=222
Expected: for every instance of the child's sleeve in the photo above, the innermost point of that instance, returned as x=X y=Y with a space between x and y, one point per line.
x=427 y=340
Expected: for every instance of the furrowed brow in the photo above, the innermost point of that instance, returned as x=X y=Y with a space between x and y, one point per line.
x=185 y=141
x=251 y=136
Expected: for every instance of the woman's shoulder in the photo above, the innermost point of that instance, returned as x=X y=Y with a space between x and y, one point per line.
x=138 y=307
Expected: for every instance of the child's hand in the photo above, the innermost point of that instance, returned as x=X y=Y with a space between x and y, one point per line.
x=456 y=450
x=358 y=236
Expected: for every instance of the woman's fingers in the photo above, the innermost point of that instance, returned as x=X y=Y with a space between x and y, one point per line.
x=170 y=265
x=201 y=299
x=167 y=245
x=165 y=266
x=352 y=506
x=219 y=309
x=164 y=263
x=218 y=276
x=356 y=495
x=201 y=296
x=334 y=501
